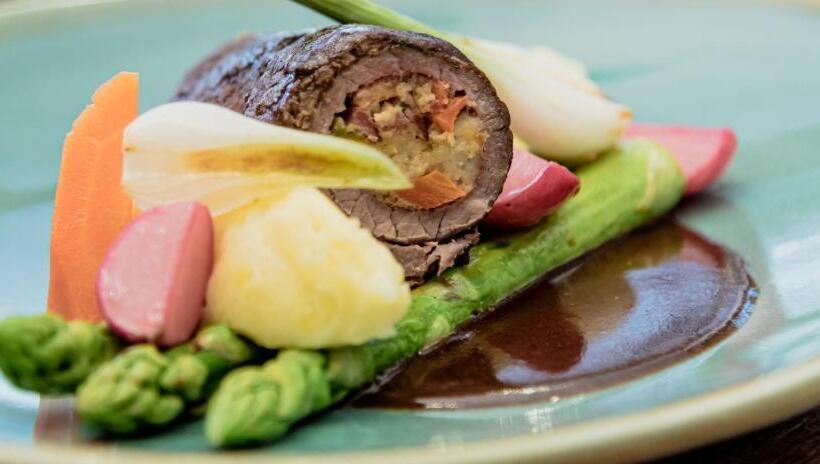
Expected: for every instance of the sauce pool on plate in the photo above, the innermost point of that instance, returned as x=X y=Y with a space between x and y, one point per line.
x=638 y=304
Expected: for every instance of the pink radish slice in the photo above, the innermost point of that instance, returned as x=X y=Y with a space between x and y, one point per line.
x=534 y=188
x=151 y=286
x=702 y=152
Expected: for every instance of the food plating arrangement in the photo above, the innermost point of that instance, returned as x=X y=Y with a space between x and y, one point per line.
x=372 y=214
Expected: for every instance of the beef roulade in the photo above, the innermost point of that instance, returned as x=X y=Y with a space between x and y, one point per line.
x=415 y=97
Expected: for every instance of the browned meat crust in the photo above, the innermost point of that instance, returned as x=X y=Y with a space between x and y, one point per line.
x=303 y=80
x=424 y=259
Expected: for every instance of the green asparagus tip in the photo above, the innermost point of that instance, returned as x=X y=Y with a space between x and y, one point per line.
x=368 y=12
x=142 y=388
x=48 y=355
x=223 y=342
x=124 y=395
x=258 y=404
x=242 y=412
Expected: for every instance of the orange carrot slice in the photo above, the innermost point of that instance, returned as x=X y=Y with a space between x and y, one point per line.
x=90 y=208
x=446 y=119
x=431 y=190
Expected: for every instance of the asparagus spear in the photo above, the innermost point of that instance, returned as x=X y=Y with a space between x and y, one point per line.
x=144 y=388
x=48 y=355
x=256 y=404
x=627 y=187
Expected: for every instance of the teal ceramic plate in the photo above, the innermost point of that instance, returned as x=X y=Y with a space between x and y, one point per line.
x=749 y=65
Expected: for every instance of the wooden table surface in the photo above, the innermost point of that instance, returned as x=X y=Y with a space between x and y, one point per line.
x=795 y=441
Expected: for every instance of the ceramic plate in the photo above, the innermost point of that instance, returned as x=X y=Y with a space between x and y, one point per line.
x=749 y=65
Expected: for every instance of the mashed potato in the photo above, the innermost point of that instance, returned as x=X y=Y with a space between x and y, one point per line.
x=294 y=271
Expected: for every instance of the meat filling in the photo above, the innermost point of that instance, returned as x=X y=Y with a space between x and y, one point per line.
x=414 y=97
x=430 y=130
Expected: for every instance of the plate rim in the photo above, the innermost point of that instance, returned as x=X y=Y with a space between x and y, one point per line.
x=663 y=430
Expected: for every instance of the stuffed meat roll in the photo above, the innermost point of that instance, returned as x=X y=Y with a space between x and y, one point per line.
x=414 y=97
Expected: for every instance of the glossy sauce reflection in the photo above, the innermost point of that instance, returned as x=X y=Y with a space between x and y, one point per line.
x=638 y=304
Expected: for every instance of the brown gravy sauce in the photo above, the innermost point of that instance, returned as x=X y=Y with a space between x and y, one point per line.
x=639 y=304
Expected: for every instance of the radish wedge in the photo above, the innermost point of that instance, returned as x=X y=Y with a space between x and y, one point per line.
x=534 y=188
x=152 y=284
x=702 y=152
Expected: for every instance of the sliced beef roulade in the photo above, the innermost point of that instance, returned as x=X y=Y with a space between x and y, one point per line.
x=415 y=97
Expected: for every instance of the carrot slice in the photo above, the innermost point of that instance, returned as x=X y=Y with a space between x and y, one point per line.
x=431 y=190
x=90 y=208
x=446 y=119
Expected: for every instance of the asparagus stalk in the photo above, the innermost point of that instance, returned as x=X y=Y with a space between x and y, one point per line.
x=627 y=187
x=555 y=108
x=256 y=404
x=143 y=388
x=48 y=355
